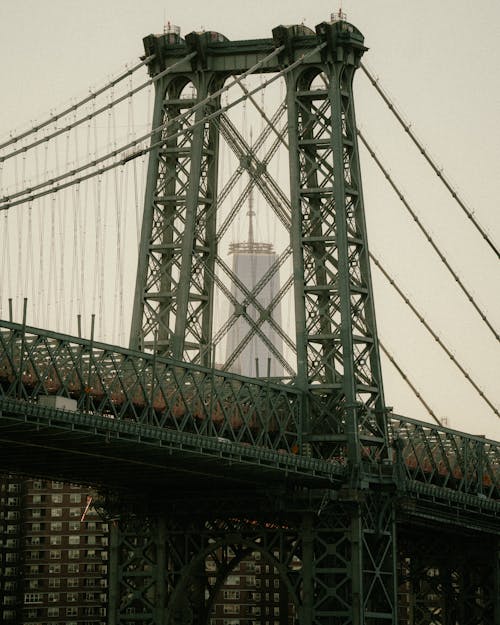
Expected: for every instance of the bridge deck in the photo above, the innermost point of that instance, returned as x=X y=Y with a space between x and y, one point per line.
x=90 y=412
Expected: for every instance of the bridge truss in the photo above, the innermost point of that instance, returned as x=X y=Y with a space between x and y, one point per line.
x=343 y=500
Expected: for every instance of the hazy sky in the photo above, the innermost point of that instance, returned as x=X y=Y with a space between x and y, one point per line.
x=441 y=62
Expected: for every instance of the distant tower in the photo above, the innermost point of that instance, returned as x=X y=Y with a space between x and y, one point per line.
x=254 y=347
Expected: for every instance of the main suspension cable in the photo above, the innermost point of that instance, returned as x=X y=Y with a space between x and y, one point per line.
x=428 y=236
x=10 y=201
x=409 y=383
x=92 y=95
x=422 y=320
x=98 y=111
x=438 y=171
x=152 y=133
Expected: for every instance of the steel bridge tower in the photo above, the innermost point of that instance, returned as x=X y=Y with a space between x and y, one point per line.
x=332 y=546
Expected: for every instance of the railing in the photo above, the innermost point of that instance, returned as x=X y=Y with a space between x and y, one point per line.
x=142 y=388
x=147 y=389
x=438 y=456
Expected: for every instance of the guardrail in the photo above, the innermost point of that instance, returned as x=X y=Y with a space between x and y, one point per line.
x=116 y=383
x=148 y=389
x=443 y=457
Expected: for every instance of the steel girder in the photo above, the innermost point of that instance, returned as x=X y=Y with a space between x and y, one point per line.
x=338 y=362
x=338 y=358
x=447 y=578
x=169 y=571
x=114 y=386
x=173 y=298
x=129 y=386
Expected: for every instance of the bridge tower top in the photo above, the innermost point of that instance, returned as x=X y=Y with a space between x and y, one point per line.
x=181 y=269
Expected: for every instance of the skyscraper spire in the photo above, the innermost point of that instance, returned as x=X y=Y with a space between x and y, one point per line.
x=251 y=212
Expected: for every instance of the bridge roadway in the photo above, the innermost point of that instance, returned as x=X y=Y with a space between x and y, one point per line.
x=86 y=412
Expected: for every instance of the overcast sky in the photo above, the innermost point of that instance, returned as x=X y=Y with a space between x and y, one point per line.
x=440 y=60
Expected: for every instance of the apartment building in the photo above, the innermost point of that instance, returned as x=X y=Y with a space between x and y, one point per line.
x=53 y=554
x=54 y=564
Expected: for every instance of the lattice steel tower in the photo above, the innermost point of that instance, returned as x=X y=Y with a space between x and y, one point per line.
x=332 y=547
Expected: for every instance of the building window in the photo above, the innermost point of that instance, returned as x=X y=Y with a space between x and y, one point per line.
x=56 y=512
x=231 y=608
x=231 y=594
x=74 y=526
x=55 y=554
x=55 y=539
x=53 y=597
x=74 y=540
x=32 y=597
x=52 y=611
x=31 y=613
x=73 y=567
x=57 y=498
x=72 y=611
x=57 y=485
x=37 y=485
x=75 y=512
x=75 y=497
x=56 y=526
x=37 y=498
x=73 y=582
x=54 y=582
x=73 y=554
x=54 y=569
x=71 y=597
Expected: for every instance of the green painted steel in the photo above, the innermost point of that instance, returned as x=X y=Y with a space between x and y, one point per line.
x=338 y=360
x=201 y=469
x=119 y=392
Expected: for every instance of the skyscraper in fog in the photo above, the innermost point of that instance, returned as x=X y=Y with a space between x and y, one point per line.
x=248 y=347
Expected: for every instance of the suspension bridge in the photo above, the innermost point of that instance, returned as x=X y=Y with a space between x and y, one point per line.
x=196 y=463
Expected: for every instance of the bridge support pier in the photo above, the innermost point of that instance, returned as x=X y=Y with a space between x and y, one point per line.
x=447 y=578
x=330 y=563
